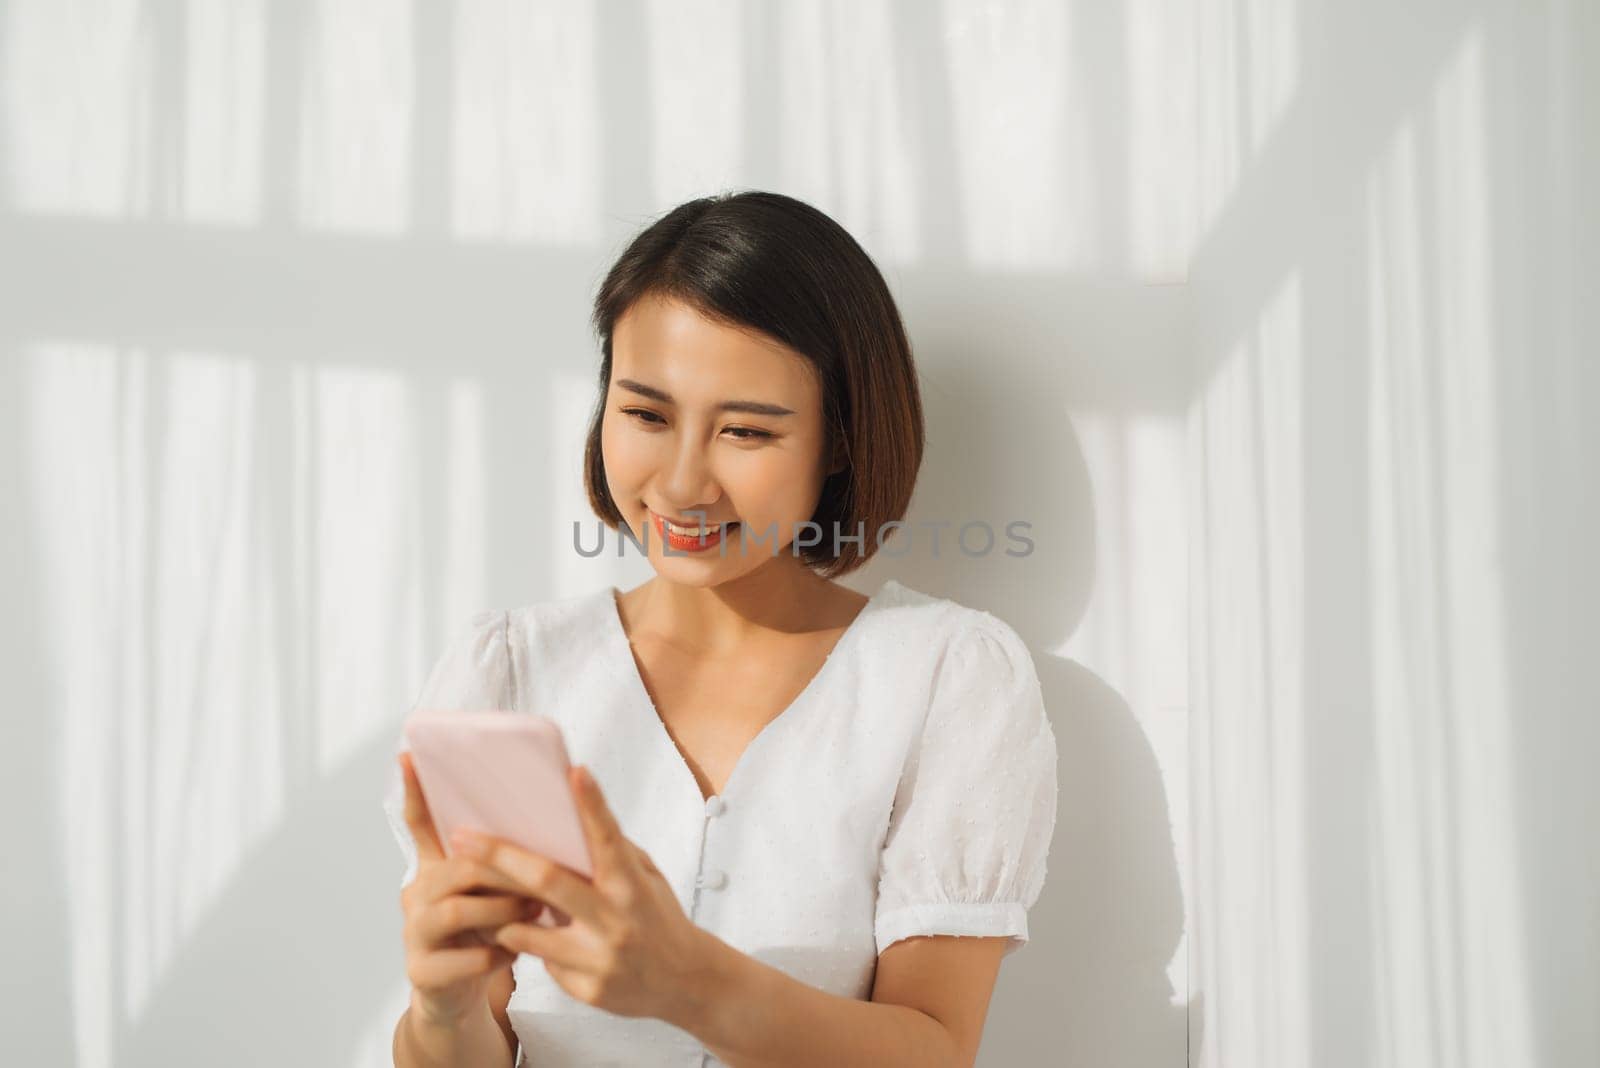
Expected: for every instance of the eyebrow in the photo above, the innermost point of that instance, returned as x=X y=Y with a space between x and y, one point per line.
x=747 y=406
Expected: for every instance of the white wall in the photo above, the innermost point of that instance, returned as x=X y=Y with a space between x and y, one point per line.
x=296 y=368
x=1392 y=453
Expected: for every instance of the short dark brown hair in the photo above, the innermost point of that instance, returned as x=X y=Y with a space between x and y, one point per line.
x=779 y=266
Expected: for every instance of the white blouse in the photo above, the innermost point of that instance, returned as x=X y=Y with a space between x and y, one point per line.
x=909 y=790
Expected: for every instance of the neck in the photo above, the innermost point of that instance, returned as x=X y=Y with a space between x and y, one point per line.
x=776 y=599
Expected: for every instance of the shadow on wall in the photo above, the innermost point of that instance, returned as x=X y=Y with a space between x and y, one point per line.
x=1093 y=981
x=1091 y=987
x=293 y=901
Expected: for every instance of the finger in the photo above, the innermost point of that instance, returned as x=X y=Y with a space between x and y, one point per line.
x=553 y=945
x=445 y=966
x=600 y=827
x=461 y=913
x=536 y=876
x=467 y=875
x=484 y=936
x=481 y=936
x=418 y=818
x=643 y=858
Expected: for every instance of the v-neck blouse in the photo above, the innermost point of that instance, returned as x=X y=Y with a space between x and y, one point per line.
x=910 y=789
x=617 y=637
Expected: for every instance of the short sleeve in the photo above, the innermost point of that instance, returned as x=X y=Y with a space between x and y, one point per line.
x=976 y=806
x=474 y=673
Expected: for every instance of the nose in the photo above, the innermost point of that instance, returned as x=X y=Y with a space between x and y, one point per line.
x=689 y=484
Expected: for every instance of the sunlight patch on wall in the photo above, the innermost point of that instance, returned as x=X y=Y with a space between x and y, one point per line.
x=1450 y=977
x=119 y=109
x=697 y=88
x=1250 y=923
x=367 y=523
x=230 y=570
x=464 y=505
x=1133 y=633
x=526 y=151
x=213 y=769
x=846 y=124
x=79 y=80
x=1161 y=141
x=1249 y=71
x=223 y=112
x=77 y=429
x=164 y=658
x=1022 y=115
x=355 y=116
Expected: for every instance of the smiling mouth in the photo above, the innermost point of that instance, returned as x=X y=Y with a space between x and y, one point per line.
x=693 y=530
x=686 y=538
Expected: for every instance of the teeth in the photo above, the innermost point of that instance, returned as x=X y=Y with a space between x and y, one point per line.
x=697 y=531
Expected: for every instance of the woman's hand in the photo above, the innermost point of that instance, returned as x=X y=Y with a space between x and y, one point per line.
x=452 y=911
x=629 y=948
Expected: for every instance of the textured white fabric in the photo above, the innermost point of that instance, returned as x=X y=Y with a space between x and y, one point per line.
x=909 y=790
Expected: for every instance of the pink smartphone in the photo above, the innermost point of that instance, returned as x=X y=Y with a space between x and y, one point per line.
x=503 y=774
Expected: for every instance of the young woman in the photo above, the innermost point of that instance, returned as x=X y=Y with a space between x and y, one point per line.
x=824 y=815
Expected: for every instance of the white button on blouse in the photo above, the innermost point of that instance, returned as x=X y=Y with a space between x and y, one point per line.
x=909 y=790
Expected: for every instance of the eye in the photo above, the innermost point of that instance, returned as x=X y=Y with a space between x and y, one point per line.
x=644 y=415
x=739 y=433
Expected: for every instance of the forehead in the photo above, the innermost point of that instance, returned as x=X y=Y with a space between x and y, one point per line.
x=669 y=345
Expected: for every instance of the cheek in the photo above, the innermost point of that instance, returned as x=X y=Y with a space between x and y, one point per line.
x=774 y=487
x=626 y=458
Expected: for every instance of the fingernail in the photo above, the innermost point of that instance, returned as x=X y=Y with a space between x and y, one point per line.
x=466 y=841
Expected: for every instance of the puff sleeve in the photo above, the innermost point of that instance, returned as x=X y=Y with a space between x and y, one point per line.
x=975 y=808
x=474 y=673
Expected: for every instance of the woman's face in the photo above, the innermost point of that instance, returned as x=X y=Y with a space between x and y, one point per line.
x=705 y=418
